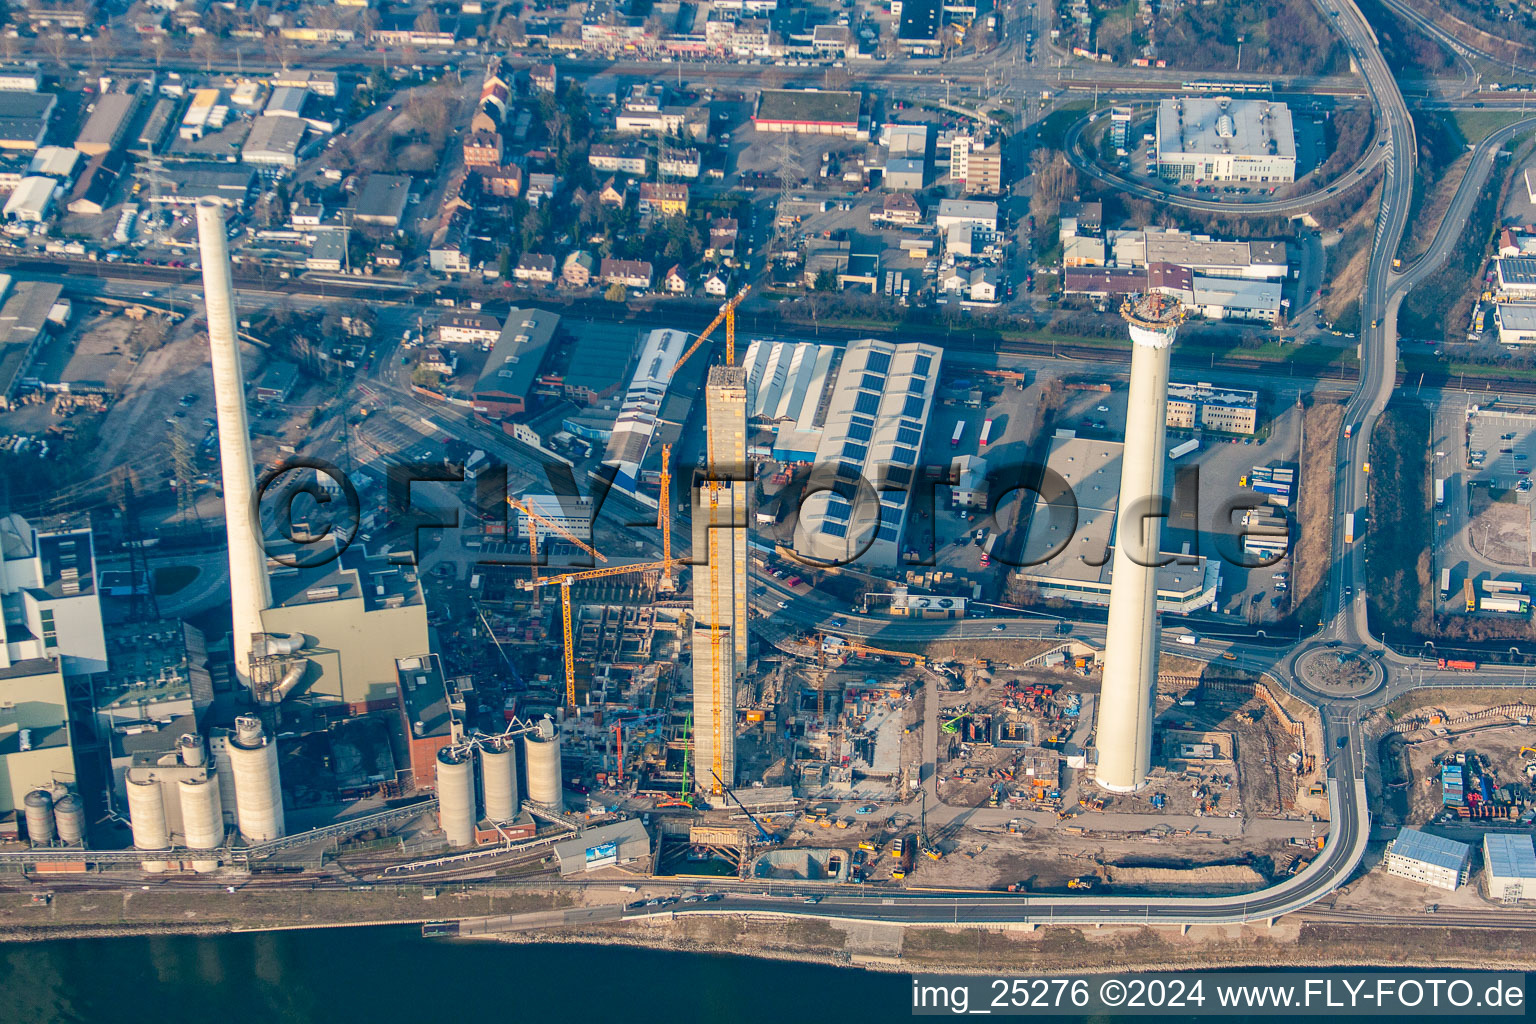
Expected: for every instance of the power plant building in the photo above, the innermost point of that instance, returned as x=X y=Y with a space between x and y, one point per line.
x=1225 y=139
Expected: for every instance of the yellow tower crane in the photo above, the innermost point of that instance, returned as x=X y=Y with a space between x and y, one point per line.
x=533 y=537
x=564 y=581
x=728 y=315
x=664 y=517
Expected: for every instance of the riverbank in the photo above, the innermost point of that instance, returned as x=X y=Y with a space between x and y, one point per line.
x=1292 y=941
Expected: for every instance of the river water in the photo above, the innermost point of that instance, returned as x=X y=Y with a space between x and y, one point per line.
x=388 y=975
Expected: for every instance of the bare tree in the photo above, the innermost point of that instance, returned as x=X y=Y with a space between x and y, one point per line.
x=204 y=47
x=57 y=46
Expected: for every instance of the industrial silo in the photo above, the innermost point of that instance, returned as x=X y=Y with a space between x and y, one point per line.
x=498 y=779
x=190 y=747
x=39 y=809
x=69 y=817
x=542 y=755
x=258 y=792
x=146 y=814
x=456 y=796
x=202 y=818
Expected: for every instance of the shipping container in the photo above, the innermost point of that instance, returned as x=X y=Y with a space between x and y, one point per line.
x=1349 y=528
x=1456 y=665
x=1517 y=604
x=986 y=433
x=1439 y=492
x=1184 y=448
x=954 y=441
x=1445 y=584
x=1502 y=587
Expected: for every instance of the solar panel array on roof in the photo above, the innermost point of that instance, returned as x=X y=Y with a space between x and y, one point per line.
x=867 y=403
x=905 y=456
x=873 y=382
x=908 y=435
x=914 y=406
x=839 y=509
x=861 y=430
x=852 y=450
x=921 y=365
x=834 y=529
x=878 y=362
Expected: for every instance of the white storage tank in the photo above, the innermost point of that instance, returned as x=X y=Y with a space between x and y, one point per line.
x=191 y=748
x=542 y=755
x=146 y=814
x=69 y=818
x=202 y=818
x=498 y=779
x=456 y=796
x=39 y=811
x=258 y=791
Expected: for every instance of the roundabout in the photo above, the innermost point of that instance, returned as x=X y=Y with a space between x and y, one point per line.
x=1341 y=673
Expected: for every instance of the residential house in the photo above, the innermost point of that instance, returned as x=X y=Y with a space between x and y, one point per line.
x=674 y=281
x=624 y=158
x=722 y=239
x=482 y=149
x=897 y=208
x=540 y=188
x=629 y=273
x=440 y=360
x=983 y=285
x=448 y=258
x=387 y=257
x=666 y=199
x=716 y=286
x=535 y=268
x=576 y=271
x=502 y=182
x=610 y=195
x=679 y=163
x=543 y=78
x=469 y=328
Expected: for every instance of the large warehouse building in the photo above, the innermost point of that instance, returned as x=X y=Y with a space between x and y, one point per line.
x=868 y=453
x=1225 y=139
x=1510 y=861
x=1066 y=553
x=810 y=112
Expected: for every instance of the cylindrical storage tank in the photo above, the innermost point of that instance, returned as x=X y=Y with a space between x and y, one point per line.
x=542 y=755
x=39 y=809
x=498 y=781
x=146 y=813
x=258 y=792
x=191 y=748
x=202 y=818
x=456 y=797
x=69 y=818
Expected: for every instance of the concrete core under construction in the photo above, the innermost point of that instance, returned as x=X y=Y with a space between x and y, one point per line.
x=720 y=581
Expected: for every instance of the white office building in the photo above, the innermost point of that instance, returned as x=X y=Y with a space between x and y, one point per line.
x=1428 y=859
x=1225 y=139
x=569 y=512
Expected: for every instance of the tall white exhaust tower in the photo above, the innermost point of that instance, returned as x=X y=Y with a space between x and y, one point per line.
x=1127 y=697
x=250 y=590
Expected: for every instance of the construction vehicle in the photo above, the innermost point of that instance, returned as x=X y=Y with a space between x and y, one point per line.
x=763 y=835
x=839 y=645
x=727 y=315
x=1082 y=882
x=564 y=581
x=953 y=725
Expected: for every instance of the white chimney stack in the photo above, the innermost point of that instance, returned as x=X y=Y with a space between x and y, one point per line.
x=250 y=590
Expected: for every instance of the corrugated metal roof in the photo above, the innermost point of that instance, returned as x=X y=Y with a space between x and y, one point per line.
x=1431 y=849
x=1509 y=856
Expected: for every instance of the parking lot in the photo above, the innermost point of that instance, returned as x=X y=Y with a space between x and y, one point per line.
x=1507 y=440
x=1200 y=483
